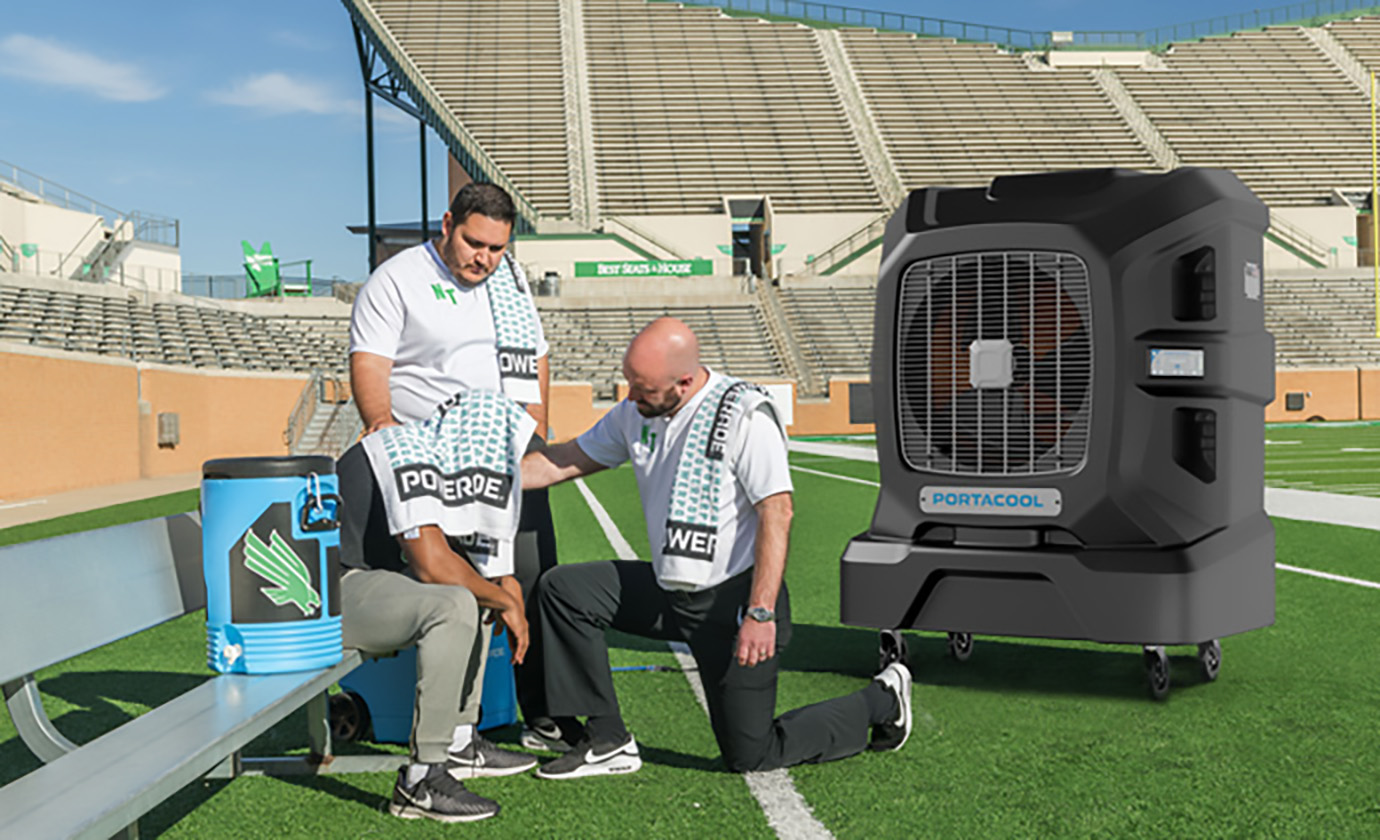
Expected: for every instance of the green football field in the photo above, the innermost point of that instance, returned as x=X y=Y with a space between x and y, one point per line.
x=1027 y=739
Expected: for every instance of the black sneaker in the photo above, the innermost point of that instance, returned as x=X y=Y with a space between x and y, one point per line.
x=590 y=759
x=484 y=758
x=438 y=796
x=892 y=735
x=546 y=734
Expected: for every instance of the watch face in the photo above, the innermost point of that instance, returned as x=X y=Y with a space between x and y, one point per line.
x=761 y=614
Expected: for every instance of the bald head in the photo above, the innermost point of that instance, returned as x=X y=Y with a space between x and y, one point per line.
x=662 y=366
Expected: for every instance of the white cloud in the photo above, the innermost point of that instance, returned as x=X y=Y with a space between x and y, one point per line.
x=273 y=94
x=279 y=93
x=49 y=62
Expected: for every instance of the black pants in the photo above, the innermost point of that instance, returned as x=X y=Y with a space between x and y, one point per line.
x=577 y=602
x=365 y=543
x=534 y=553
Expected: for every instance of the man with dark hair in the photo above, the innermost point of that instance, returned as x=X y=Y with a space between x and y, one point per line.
x=440 y=319
x=709 y=454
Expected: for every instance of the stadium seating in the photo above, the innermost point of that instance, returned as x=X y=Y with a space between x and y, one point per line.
x=497 y=66
x=587 y=343
x=1322 y=321
x=1361 y=37
x=198 y=335
x=1268 y=105
x=689 y=106
x=833 y=328
x=960 y=114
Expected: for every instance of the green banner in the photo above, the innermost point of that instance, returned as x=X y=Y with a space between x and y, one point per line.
x=645 y=268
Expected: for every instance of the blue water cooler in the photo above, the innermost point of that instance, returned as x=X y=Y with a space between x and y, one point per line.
x=271 y=550
x=385 y=687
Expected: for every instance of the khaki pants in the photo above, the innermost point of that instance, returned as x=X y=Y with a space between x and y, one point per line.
x=384 y=611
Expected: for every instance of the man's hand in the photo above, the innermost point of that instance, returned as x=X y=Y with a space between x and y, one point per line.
x=514 y=617
x=381 y=423
x=756 y=641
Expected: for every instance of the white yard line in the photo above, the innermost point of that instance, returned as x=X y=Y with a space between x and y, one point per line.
x=1306 y=505
x=786 y=810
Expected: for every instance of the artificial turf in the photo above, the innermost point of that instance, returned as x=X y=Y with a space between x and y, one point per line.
x=1028 y=738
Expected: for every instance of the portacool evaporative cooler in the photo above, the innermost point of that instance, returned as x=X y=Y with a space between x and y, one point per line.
x=1069 y=372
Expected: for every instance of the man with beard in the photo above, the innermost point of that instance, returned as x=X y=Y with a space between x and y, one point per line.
x=710 y=458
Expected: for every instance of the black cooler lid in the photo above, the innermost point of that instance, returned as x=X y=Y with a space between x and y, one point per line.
x=279 y=467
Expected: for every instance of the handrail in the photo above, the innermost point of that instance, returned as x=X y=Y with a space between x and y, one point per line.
x=62 y=261
x=1302 y=240
x=847 y=245
x=151 y=227
x=8 y=261
x=303 y=410
x=1025 y=39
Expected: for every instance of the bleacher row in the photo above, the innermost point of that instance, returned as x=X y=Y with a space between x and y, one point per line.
x=686 y=105
x=201 y=336
x=1317 y=322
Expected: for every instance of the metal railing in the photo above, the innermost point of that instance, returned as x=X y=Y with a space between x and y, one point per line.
x=1311 y=13
x=236 y=286
x=302 y=411
x=147 y=228
x=843 y=249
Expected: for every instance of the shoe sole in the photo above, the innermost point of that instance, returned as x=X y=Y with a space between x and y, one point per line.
x=460 y=772
x=412 y=812
x=613 y=767
x=906 y=717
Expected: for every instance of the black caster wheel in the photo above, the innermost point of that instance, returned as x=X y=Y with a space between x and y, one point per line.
x=961 y=646
x=1157 y=672
x=349 y=716
x=1210 y=659
x=891 y=648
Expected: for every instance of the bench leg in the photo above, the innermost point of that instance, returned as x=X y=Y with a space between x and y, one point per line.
x=319 y=728
x=31 y=721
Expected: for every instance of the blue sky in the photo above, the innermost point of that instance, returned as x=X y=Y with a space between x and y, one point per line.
x=245 y=120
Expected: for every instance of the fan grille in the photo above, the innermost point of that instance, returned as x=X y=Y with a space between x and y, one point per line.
x=1024 y=312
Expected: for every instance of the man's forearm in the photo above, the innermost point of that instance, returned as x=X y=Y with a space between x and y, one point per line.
x=541 y=412
x=555 y=464
x=773 y=542
x=369 y=375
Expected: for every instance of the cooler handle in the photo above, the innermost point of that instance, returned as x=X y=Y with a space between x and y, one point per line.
x=329 y=523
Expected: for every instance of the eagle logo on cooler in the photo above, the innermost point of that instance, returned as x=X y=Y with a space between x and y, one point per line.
x=278 y=564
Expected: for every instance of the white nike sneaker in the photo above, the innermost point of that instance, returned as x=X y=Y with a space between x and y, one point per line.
x=544 y=734
x=591 y=759
x=892 y=734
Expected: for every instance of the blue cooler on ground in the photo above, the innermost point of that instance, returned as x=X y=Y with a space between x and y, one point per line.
x=271 y=552
x=386 y=688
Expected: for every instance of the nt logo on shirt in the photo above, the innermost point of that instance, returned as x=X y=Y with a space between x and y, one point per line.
x=454 y=489
x=697 y=542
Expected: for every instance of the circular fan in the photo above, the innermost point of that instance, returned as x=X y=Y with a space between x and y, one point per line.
x=1017 y=314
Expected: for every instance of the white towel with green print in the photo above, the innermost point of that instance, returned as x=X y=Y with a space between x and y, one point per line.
x=515 y=331
x=691 y=554
x=459 y=470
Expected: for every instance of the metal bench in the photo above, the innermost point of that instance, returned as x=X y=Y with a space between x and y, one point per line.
x=68 y=595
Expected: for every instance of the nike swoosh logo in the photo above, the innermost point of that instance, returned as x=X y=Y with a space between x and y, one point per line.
x=594 y=758
x=423 y=801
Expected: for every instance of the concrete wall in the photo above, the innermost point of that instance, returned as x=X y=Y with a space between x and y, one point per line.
x=543 y=254
x=63 y=237
x=157 y=268
x=806 y=234
x=1337 y=394
x=73 y=420
x=691 y=235
x=1328 y=225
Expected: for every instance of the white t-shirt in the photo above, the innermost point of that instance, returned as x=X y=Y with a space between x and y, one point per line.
x=654 y=444
x=438 y=331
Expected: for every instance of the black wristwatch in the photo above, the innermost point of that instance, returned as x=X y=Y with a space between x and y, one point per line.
x=761 y=614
